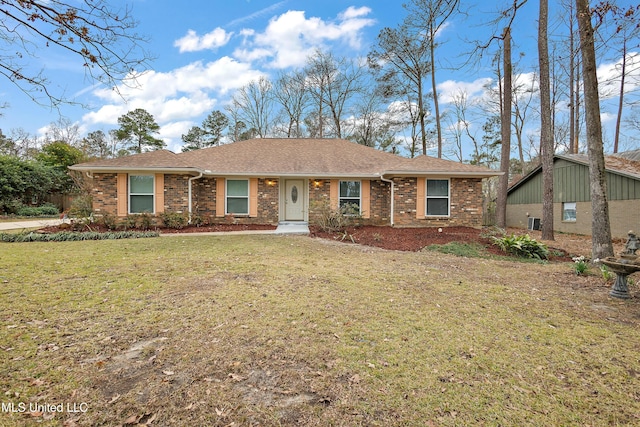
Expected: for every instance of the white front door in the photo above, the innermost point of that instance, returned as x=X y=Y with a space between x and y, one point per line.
x=294 y=200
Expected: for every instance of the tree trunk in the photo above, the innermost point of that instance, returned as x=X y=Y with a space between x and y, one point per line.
x=421 y=114
x=577 y=102
x=546 y=132
x=503 y=180
x=621 y=96
x=600 y=226
x=436 y=106
x=572 y=105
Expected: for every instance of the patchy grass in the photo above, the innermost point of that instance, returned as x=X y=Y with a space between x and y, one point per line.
x=473 y=250
x=266 y=330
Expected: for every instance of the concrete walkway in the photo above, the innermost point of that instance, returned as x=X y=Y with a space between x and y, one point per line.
x=292 y=227
x=21 y=225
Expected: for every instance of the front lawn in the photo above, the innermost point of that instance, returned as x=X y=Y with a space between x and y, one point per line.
x=272 y=330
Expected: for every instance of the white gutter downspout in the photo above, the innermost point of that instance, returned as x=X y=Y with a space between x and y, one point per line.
x=190 y=192
x=390 y=181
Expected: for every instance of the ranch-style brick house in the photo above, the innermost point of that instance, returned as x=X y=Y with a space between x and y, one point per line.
x=269 y=181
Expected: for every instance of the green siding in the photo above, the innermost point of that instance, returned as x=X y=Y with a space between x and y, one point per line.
x=571 y=184
x=529 y=192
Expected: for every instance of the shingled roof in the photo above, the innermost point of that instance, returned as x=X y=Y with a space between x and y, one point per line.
x=289 y=157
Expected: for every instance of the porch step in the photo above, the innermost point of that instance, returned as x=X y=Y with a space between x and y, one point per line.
x=293 y=227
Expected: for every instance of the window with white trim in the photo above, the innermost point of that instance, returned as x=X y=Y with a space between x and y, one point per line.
x=350 y=195
x=237 y=196
x=437 y=197
x=141 y=194
x=569 y=211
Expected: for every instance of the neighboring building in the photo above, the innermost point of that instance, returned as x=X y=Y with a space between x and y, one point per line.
x=273 y=180
x=572 y=199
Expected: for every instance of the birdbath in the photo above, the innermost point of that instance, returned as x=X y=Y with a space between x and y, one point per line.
x=623 y=266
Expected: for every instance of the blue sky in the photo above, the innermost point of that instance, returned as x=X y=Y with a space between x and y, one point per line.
x=207 y=49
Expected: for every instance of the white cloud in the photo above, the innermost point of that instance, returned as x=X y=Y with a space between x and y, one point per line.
x=450 y=89
x=178 y=95
x=291 y=37
x=609 y=76
x=191 y=42
x=354 y=12
x=171 y=134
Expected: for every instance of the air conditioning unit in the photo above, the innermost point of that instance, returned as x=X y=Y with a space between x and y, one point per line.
x=534 y=223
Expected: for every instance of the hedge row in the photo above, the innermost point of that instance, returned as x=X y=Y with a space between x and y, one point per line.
x=69 y=236
x=44 y=210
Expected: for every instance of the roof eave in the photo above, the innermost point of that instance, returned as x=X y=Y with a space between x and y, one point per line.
x=112 y=169
x=452 y=174
x=311 y=174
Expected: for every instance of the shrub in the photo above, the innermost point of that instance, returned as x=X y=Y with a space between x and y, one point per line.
x=174 y=220
x=522 y=246
x=81 y=207
x=109 y=221
x=129 y=222
x=69 y=236
x=145 y=221
x=331 y=220
x=44 y=210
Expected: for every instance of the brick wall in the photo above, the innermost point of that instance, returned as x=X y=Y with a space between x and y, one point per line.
x=268 y=201
x=318 y=195
x=204 y=198
x=465 y=204
x=104 y=193
x=380 y=204
x=176 y=193
x=466 y=200
x=204 y=202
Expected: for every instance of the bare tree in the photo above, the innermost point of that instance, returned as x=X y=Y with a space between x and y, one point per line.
x=101 y=36
x=458 y=124
x=523 y=94
x=600 y=225
x=25 y=143
x=626 y=22
x=371 y=125
x=63 y=130
x=400 y=57
x=432 y=15
x=290 y=91
x=334 y=83
x=254 y=106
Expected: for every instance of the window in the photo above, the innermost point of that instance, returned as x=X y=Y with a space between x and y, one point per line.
x=350 y=194
x=238 y=196
x=141 y=194
x=437 y=197
x=569 y=212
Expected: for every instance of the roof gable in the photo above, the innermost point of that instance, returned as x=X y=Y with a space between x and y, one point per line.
x=613 y=164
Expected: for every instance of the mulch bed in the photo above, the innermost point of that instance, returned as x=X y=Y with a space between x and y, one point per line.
x=384 y=237
x=415 y=239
